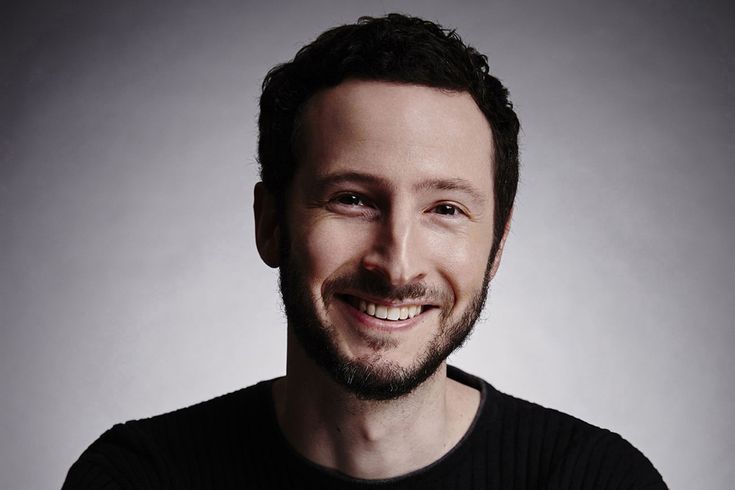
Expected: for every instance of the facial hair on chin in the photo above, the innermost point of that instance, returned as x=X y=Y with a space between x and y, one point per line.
x=371 y=379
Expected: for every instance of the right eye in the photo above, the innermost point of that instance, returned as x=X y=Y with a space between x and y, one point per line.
x=349 y=200
x=353 y=204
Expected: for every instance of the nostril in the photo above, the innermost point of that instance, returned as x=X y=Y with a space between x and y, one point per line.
x=395 y=273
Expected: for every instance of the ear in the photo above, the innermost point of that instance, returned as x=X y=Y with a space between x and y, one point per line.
x=267 y=227
x=496 y=261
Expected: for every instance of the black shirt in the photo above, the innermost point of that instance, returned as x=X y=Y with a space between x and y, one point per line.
x=234 y=441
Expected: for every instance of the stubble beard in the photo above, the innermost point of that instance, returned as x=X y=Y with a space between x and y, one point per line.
x=372 y=378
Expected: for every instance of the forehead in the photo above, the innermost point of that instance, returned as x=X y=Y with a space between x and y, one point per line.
x=395 y=129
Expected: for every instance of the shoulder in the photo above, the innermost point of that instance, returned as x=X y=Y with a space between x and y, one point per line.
x=154 y=452
x=536 y=446
x=571 y=453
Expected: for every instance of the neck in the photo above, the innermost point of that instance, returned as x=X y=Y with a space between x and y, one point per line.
x=364 y=438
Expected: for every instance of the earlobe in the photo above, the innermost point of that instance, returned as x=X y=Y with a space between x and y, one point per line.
x=267 y=226
x=496 y=260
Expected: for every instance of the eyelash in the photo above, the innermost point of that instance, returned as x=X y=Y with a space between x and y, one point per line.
x=456 y=210
x=348 y=195
x=363 y=208
x=366 y=205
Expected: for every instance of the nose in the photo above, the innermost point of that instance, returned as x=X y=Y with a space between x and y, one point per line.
x=395 y=250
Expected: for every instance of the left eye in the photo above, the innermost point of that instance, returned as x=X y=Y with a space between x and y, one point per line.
x=446 y=209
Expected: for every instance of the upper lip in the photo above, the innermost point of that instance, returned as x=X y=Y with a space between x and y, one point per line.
x=387 y=302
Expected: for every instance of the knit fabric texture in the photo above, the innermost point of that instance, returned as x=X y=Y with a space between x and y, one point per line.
x=234 y=442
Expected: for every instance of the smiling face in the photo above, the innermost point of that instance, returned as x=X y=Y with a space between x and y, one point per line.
x=385 y=259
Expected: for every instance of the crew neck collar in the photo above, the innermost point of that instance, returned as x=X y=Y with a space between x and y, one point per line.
x=316 y=472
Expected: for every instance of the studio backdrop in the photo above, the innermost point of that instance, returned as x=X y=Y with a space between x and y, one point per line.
x=129 y=280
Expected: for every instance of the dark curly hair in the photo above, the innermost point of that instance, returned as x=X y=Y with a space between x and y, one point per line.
x=394 y=48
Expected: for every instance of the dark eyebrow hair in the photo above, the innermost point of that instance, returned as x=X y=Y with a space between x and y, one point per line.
x=452 y=184
x=322 y=181
x=455 y=184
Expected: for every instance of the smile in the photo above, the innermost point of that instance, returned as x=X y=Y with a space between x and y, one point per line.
x=386 y=312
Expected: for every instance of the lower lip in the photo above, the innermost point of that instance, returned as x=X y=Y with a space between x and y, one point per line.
x=378 y=324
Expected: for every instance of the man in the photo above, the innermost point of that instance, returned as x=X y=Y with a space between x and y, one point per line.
x=389 y=163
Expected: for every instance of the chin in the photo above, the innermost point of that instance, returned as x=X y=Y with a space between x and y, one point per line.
x=379 y=367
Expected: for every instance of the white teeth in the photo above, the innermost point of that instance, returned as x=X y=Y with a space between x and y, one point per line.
x=392 y=313
x=414 y=310
x=381 y=312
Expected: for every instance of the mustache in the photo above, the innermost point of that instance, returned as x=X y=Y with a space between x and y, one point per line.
x=377 y=286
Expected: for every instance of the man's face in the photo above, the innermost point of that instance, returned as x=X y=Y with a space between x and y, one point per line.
x=385 y=259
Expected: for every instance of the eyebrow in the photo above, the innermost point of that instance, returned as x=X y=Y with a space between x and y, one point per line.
x=322 y=182
x=454 y=184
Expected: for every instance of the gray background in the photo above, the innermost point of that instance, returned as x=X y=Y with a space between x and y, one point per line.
x=129 y=280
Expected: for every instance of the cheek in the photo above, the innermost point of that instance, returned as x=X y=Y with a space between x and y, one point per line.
x=464 y=258
x=329 y=245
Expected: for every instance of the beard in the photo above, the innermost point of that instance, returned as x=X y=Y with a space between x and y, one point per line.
x=369 y=378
